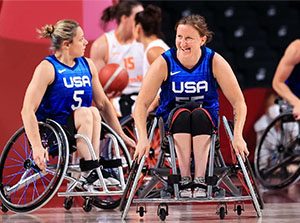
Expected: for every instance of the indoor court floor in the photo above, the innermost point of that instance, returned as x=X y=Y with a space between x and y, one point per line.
x=280 y=206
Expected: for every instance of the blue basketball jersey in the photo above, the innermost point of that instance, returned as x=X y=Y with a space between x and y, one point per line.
x=294 y=81
x=71 y=89
x=185 y=85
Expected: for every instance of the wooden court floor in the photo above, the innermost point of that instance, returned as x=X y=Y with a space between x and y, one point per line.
x=280 y=206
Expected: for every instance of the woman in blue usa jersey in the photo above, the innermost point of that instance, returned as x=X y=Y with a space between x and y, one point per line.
x=62 y=88
x=188 y=76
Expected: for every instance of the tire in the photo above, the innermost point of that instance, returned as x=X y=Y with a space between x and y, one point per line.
x=222 y=212
x=129 y=183
x=239 y=210
x=23 y=188
x=254 y=184
x=162 y=214
x=277 y=163
x=68 y=203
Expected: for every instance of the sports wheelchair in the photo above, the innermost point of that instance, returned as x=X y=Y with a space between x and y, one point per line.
x=277 y=156
x=163 y=186
x=24 y=188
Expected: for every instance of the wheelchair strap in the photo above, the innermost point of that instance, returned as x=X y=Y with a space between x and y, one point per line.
x=212 y=180
x=86 y=165
x=174 y=179
x=113 y=163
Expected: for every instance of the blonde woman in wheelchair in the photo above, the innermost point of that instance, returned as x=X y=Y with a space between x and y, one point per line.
x=62 y=89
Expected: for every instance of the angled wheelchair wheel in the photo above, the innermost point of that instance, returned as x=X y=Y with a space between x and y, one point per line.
x=129 y=184
x=277 y=157
x=128 y=127
x=110 y=143
x=23 y=187
x=251 y=187
x=241 y=177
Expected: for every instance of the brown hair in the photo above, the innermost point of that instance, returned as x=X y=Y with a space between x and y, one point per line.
x=198 y=22
x=118 y=10
x=150 y=20
x=61 y=31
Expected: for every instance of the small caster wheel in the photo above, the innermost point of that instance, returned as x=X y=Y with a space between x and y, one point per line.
x=239 y=210
x=222 y=212
x=87 y=205
x=162 y=214
x=4 y=208
x=141 y=211
x=68 y=203
x=163 y=211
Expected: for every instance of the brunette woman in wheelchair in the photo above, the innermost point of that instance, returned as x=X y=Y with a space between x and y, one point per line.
x=188 y=76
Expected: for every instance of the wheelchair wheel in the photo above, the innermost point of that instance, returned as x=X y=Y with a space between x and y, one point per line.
x=23 y=187
x=127 y=124
x=109 y=152
x=253 y=183
x=277 y=156
x=129 y=183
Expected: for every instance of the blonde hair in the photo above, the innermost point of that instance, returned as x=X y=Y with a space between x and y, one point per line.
x=199 y=23
x=61 y=31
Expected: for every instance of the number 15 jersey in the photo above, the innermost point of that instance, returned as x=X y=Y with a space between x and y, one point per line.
x=71 y=89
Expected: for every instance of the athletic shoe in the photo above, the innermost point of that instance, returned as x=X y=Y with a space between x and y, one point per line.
x=199 y=187
x=185 y=187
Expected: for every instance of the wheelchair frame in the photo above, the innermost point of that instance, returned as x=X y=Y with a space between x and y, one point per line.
x=159 y=175
x=13 y=189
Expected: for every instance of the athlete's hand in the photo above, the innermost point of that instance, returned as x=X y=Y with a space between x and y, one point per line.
x=240 y=147
x=128 y=141
x=142 y=148
x=296 y=111
x=40 y=156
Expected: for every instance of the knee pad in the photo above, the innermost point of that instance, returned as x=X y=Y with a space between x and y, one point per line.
x=201 y=123
x=181 y=121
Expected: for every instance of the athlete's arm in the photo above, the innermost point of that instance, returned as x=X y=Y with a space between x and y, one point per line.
x=152 y=54
x=42 y=77
x=156 y=74
x=105 y=107
x=231 y=89
x=284 y=69
x=99 y=52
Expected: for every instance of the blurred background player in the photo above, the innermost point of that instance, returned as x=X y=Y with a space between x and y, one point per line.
x=286 y=81
x=147 y=31
x=119 y=46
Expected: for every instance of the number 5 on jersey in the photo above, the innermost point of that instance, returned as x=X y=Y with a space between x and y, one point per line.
x=77 y=98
